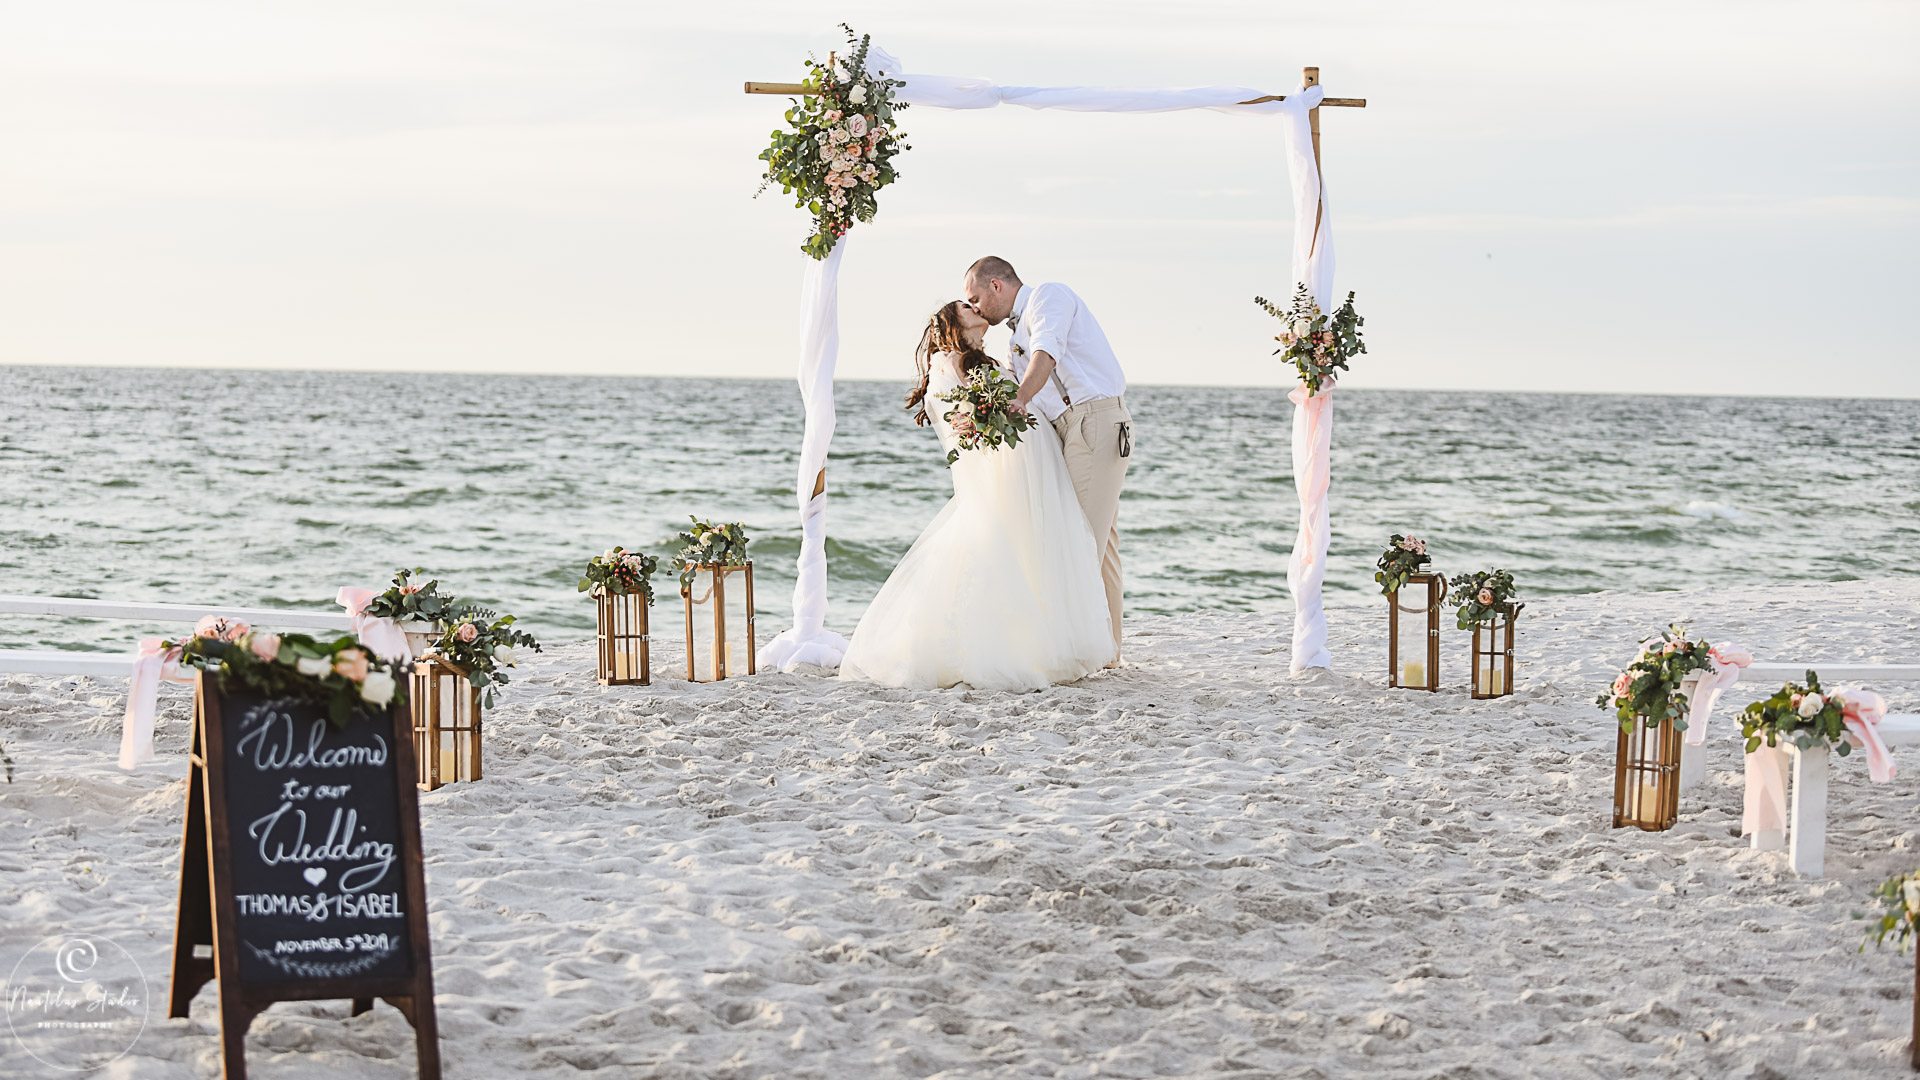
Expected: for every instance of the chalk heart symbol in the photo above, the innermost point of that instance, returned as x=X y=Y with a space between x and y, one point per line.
x=314 y=875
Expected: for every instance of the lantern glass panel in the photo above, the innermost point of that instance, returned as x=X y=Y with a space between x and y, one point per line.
x=1414 y=623
x=720 y=623
x=1493 y=655
x=1646 y=786
x=622 y=638
x=446 y=723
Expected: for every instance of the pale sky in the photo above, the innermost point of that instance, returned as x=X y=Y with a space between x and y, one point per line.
x=1645 y=197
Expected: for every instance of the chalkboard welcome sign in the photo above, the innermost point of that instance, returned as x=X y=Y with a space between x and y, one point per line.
x=301 y=873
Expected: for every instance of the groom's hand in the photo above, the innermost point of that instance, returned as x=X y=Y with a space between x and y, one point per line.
x=1037 y=372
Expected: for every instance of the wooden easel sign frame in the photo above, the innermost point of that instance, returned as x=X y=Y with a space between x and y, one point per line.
x=301 y=874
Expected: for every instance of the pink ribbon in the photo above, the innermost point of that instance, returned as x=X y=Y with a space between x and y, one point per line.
x=1727 y=661
x=1862 y=711
x=151 y=664
x=376 y=632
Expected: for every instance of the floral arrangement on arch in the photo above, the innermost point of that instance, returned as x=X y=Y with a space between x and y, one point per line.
x=707 y=543
x=1405 y=555
x=1481 y=597
x=620 y=572
x=837 y=150
x=1802 y=714
x=1899 y=914
x=1650 y=686
x=983 y=416
x=340 y=672
x=1316 y=344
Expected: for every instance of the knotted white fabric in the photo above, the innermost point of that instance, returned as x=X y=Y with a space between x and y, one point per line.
x=1727 y=660
x=152 y=663
x=808 y=641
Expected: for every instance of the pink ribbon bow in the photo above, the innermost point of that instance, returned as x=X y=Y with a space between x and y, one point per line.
x=1727 y=661
x=151 y=664
x=376 y=632
x=1862 y=711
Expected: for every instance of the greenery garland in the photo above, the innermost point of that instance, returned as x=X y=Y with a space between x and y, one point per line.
x=620 y=572
x=1481 y=597
x=837 y=150
x=1802 y=714
x=1650 y=686
x=339 y=673
x=1405 y=555
x=479 y=641
x=709 y=544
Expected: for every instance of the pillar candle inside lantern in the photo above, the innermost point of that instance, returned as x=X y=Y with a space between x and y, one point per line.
x=1413 y=674
x=622 y=665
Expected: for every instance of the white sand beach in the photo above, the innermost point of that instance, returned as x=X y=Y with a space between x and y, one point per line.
x=1193 y=866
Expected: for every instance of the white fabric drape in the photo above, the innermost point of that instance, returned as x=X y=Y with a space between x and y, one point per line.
x=808 y=641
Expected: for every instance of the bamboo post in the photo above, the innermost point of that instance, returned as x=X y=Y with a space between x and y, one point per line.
x=1310 y=76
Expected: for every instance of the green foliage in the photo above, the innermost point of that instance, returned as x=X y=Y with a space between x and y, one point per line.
x=837 y=150
x=1899 y=899
x=620 y=572
x=1650 y=686
x=983 y=416
x=480 y=642
x=299 y=667
x=407 y=599
x=1803 y=715
x=1405 y=555
x=709 y=544
x=1317 y=345
x=1481 y=596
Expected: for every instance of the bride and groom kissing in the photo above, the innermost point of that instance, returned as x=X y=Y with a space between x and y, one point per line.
x=1015 y=585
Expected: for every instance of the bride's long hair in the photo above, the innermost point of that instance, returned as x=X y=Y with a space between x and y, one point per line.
x=943 y=334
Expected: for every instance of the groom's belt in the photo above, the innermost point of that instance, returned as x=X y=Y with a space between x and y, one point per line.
x=1096 y=405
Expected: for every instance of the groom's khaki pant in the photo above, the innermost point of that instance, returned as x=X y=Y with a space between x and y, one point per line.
x=1097 y=438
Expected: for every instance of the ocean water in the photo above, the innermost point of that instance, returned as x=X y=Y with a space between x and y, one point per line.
x=275 y=488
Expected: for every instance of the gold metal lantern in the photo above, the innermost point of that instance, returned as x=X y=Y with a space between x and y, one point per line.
x=1413 y=632
x=624 y=645
x=1646 y=776
x=446 y=722
x=1493 y=654
x=720 y=628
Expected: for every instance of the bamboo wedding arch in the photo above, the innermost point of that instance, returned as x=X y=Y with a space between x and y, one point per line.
x=808 y=641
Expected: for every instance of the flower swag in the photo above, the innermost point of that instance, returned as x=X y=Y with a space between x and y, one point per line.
x=837 y=150
x=1802 y=714
x=1650 y=686
x=340 y=673
x=477 y=640
x=1482 y=596
x=1405 y=555
x=620 y=572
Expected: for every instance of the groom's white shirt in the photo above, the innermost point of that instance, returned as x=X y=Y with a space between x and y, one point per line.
x=1052 y=317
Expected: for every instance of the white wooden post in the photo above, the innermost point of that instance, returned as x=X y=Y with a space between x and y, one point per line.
x=1808 y=854
x=1769 y=839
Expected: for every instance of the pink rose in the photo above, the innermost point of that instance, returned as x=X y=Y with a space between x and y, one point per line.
x=467 y=632
x=351 y=663
x=1486 y=596
x=409 y=590
x=857 y=125
x=831 y=116
x=209 y=626
x=265 y=646
x=1622 y=684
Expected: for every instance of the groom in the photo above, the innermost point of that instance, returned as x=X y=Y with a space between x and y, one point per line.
x=1069 y=374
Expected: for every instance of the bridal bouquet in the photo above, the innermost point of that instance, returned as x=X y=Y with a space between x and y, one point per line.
x=838 y=149
x=1405 y=555
x=983 y=415
x=1481 y=596
x=620 y=572
x=338 y=672
x=1315 y=343
x=1801 y=714
x=1650 y=686
x=709 y=544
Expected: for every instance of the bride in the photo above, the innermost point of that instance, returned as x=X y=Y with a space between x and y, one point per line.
x=1002 y=591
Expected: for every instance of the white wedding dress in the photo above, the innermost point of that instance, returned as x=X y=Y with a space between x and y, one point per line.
x=1002 y=591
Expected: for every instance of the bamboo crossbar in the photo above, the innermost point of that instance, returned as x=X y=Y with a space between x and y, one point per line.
x=805 y=90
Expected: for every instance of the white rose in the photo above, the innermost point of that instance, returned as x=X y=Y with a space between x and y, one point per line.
x=1811 y=705
x=858 y=95
x=377 y=688
x=1301 y=328
x=839 y=136
x=316 y=666
x=503 y=654
x=609 y=555
x=857 y=125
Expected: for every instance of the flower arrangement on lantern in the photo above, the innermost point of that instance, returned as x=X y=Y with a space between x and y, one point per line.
x=620 y=572
x=837 y=151
x=1315 y=343
x=480 y=642
x=983 y=416
x=1804 y=715
x=709 y=544
x=1899 y=914
x=407 y=599
x=1405 y=555
x=1650 y=686
x=1481 y=597
x=339 y=672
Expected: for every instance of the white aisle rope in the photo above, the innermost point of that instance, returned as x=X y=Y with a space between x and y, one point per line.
x=808 y=641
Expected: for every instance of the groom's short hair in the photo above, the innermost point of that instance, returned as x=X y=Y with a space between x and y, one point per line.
x=990 y=267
